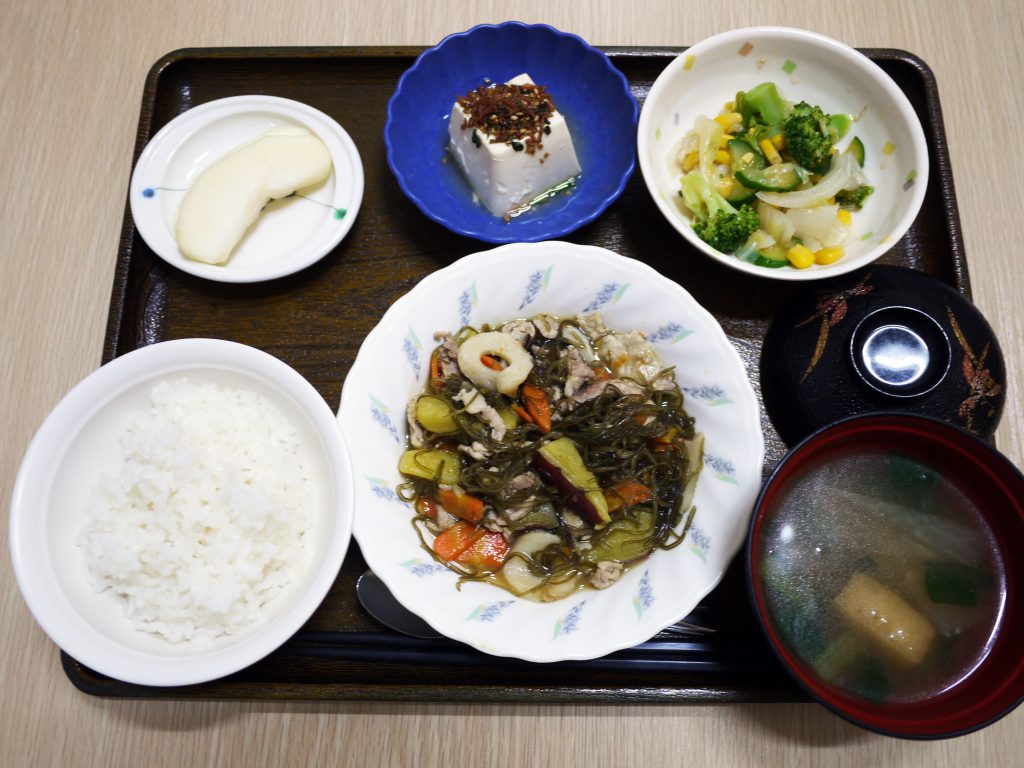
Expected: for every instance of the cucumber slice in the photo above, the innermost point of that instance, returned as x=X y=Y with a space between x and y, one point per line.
x=772 y=258
x=742 y=153
x=840 y=124
x=760 y=261
x=856 y=149
x=740 y=194
x=753 y=171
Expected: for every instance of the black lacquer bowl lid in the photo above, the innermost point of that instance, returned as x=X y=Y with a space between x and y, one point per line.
x=881 y=338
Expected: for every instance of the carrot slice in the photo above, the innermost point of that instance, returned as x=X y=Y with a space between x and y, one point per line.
x=522 y=413
x=459 y=503
x=453 y=542
x=487 y=553
x=667 y=441
x=492 y=362
x=536 y=401
x=435 y=370
x=426 y=507
x=626 y=495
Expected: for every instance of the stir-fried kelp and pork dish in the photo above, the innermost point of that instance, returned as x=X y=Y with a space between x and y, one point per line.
x=546 y=455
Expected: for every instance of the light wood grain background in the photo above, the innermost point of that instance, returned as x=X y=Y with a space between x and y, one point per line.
x=71 y=76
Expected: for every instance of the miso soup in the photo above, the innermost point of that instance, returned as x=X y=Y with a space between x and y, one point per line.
x=881 y=575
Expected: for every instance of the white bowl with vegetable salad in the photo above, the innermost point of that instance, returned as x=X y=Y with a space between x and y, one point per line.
x=561 y=280
x=819 y=167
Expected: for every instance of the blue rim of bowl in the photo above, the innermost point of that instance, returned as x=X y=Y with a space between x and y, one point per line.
x=763 y=622
x=513 y=237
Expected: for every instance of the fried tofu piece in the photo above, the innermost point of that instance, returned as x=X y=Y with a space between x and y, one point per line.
x=885 y=619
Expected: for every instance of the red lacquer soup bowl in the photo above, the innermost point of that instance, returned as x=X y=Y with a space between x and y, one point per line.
x=884 y=565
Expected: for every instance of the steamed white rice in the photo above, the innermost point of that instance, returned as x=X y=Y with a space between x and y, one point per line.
x=204 y=522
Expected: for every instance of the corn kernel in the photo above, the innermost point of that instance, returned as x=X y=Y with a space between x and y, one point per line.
x=724 y=186
x=800 y=256
x=729 y=120
x=779 y=141
x=690 y=161
x=724 y=141
x=770 y=151
x=829 y=255
x=721 y=156
x=844 y=217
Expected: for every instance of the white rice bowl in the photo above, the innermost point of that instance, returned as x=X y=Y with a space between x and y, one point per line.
x=59 y=479
x=203 y=524
x=523 y=280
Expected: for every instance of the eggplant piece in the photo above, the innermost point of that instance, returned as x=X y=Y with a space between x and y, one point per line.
x=625 y=540
x=431 y=464
x=560 y=462
x=542 y=515
x=436 y=415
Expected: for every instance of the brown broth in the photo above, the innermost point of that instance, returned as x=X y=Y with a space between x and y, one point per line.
x=904 y=525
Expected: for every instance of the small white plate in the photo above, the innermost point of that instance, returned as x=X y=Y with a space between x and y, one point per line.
x=291 y=233
x=79 y=442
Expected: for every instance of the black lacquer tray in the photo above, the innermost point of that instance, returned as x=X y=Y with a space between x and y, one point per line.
x=315 y=321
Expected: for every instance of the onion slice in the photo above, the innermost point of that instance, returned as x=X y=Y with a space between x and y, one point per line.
x=839 y=176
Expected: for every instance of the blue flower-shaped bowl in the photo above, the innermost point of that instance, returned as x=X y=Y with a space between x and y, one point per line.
x=588 y=90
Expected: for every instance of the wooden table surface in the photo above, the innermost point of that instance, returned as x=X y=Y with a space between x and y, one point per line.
x=71 y=76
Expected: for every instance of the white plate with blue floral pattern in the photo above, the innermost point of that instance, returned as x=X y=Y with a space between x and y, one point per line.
x=562 y=279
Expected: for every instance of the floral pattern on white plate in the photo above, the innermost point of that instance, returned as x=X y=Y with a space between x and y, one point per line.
x=467 y=302
x=610 y=293
x=644 y=597
x=382 y=416
x=412 y=347
x=569 y=623
x=489 y=611
x=722 y=467
x=419 y=567
x=712 y=393
x=700 y=544
x=670 y=332
x=537 y=282
x=382 y=490
x=560 y=279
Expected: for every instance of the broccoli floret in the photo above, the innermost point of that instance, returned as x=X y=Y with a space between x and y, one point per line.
x=715 y=220
x=728 y=231
x=761 y=106
x=808 y=137
x=854 y=197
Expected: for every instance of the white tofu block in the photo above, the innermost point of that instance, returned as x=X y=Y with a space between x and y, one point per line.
x=505 y=179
